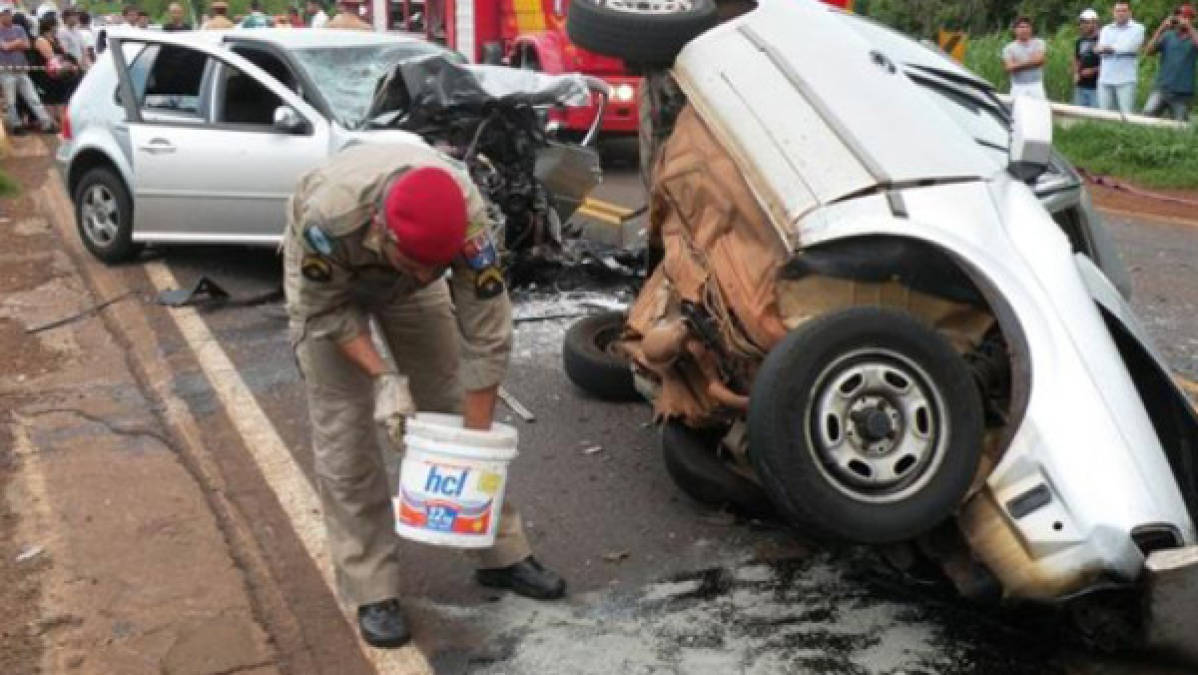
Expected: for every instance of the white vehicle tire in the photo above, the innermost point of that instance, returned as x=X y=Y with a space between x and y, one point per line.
x=865 y=425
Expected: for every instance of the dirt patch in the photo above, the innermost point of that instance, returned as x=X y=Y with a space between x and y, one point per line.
x=17 y=276
x=22 y=354
x=1122 y=200
x=20 y=584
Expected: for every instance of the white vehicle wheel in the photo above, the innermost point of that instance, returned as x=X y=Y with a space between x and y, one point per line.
x=865 y=425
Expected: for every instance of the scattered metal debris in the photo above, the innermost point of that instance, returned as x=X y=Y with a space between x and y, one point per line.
x=516 y=406
x=207 y=293
x=29 y=553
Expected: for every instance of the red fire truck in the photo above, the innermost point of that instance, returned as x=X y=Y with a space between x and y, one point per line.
x=524 y=34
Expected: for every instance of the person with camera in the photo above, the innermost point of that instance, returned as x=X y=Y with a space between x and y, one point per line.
x=1177 y=43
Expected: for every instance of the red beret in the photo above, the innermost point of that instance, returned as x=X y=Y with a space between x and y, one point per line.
x=426 y=211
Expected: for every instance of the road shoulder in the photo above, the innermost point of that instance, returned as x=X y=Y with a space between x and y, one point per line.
x=124 y=568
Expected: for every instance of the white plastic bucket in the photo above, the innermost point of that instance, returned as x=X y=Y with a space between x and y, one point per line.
x=452 y=480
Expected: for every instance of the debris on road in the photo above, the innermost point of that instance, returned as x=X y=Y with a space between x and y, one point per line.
x=516 y=406
x=616 y=556
x=29 y=553
x=593 y=450
x=78 y=315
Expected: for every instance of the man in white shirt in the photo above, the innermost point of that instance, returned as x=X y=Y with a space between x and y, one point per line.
x=317 y=16
x=44 y=9
x=70 y=38
x=1119 y=46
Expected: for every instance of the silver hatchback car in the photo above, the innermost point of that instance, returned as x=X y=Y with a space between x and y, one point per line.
x=200 y=137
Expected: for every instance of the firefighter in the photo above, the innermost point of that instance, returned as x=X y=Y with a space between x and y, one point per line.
x=372 y=234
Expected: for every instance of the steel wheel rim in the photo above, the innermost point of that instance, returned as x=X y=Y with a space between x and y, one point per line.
x=100 y=215
x=840 y=418
x=650 y=6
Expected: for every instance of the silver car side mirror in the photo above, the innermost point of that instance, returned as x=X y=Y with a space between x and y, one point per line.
x=1031 y=137
x=288 y=120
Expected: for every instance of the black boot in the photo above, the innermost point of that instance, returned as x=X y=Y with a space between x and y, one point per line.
x=382 y=625
x=527 y=577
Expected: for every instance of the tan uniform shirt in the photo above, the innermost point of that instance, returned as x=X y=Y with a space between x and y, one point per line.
x=348 y=21
x=217 y=22
x=334 y=269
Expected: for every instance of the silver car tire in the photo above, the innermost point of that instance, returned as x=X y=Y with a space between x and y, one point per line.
x=865 y=425
x=104 y=216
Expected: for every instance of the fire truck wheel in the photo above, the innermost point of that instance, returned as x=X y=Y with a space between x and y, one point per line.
x=640 y=33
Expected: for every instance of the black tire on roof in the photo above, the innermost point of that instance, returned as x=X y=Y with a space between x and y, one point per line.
x=642 y=39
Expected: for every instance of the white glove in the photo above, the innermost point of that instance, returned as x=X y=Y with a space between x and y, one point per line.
x=392 y=405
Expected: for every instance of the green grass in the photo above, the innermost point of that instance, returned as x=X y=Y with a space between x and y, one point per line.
x=8 y=186
x=1163 y=158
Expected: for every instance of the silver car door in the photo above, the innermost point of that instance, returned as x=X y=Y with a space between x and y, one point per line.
x=257 y=164
x=209 y=164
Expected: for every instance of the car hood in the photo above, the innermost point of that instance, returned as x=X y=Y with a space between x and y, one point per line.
x=813 y=113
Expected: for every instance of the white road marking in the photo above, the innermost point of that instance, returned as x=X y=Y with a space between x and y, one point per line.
x=274 y=460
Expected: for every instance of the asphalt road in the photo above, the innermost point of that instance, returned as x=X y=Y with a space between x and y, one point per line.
x=658 y=584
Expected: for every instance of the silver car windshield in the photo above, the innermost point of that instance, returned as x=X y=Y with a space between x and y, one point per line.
x=347 y=76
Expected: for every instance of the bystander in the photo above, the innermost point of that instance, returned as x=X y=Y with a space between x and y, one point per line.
x=71 y=39
x=257 y=19
x=317 y=18
x=347 y=17
x=1177 y=43
x=1024 y=61
x=57 y=73
x=1119 y=46
x=1086 y=61
x=176 y=21
x=14 y=74
x=219 y=20
x=89 y=37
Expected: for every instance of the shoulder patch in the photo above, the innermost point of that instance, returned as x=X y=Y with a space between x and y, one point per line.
x=479 y=252
x=488 y=283
x=315 y=268
x=317 y=240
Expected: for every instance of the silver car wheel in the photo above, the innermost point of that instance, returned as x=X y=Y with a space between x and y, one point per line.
x=877 y=426
x=650 y=6
x=101 y=215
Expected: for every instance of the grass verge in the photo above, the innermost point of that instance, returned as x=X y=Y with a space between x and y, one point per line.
x=8 y=187
x=1150 y=157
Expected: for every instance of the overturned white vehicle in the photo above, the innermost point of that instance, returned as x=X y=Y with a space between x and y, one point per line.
x=863 y=308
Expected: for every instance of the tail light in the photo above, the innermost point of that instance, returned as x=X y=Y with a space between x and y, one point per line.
x=66 y=126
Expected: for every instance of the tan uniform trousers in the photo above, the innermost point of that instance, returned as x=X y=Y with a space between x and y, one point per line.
x=422 y=334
